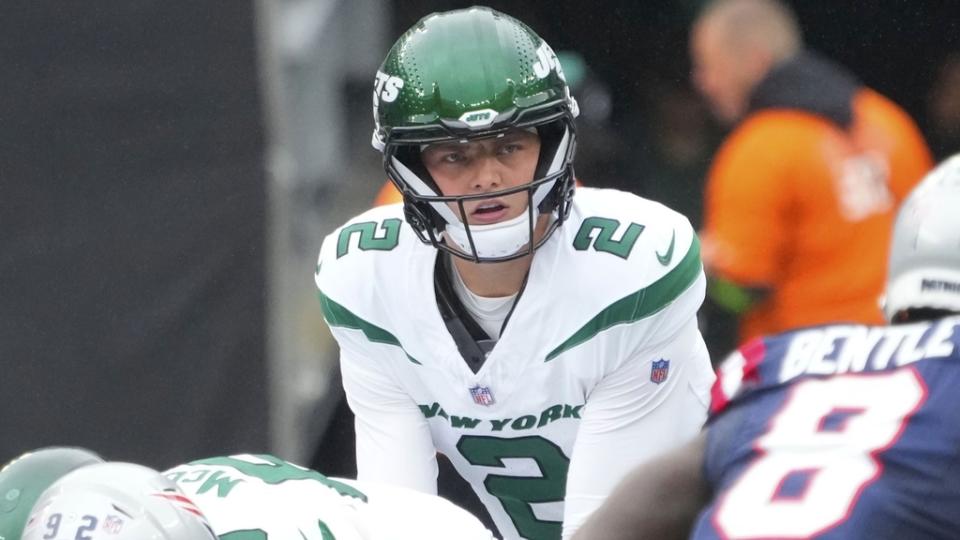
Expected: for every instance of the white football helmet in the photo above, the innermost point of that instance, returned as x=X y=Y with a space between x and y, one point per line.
x=115 y=501
x=924 y=270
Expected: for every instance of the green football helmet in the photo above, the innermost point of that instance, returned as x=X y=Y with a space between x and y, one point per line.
x=463 y=75
x=24 y=479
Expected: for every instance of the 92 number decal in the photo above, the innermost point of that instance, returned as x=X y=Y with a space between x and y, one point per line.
x=839 y=461
x=55 y=520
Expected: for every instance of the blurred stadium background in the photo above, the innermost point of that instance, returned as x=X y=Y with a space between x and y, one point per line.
x=169 y=169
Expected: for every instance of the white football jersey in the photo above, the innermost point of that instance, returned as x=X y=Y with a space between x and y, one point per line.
x=600 y=366
x=261 y=497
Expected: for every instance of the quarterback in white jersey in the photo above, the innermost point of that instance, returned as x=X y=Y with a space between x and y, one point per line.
x=261 y=497
x=546 y=343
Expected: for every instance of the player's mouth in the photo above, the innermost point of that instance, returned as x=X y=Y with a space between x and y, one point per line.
x=489 y=212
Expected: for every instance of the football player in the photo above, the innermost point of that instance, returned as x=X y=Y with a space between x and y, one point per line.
x=543 y=338
x=832 y=432
x=282 y=500
x=243 y=497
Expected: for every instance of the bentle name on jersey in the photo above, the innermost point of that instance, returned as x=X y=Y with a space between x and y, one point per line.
x=846 y=349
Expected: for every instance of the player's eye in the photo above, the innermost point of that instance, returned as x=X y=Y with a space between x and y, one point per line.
x=452 y=157
x=510 y=148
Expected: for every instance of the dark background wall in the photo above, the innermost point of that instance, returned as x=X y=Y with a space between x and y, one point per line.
x=131 y=246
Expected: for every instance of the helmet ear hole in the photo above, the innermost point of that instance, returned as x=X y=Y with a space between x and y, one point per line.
x=415 y=214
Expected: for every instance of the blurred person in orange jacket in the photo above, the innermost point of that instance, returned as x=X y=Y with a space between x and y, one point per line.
x=388 y=194
x=801 y=196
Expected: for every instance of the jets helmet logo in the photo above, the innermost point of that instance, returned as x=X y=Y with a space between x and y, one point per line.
x=482 y=117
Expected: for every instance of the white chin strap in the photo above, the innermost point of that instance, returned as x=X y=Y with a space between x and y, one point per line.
x=494 y=240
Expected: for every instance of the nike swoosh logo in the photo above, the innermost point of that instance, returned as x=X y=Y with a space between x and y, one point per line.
x=665 y=258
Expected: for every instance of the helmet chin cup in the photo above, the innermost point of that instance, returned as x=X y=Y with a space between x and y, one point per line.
x=491 y=241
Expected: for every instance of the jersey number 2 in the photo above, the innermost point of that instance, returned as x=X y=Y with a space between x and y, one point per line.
x=384 y=239
x=819 y=455
x=517 y=493
x=604 y=240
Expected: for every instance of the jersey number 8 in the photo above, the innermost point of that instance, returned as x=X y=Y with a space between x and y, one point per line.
x=824 y=439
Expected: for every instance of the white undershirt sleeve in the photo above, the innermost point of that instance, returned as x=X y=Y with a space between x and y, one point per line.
x=394 y=445
x=629 y=419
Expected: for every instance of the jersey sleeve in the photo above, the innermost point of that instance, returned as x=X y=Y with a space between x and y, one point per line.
x=393 y=440
x=746 y=205
x=394 y=445
x=629 y=418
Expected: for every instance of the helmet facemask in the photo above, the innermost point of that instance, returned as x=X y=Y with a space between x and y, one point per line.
x=434 y=221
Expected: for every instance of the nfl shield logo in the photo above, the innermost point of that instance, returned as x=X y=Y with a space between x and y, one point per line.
x=659 y=371
x=113 y=524
x=481 y=395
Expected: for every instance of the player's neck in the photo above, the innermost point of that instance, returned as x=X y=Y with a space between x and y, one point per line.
x=493 y=280
x=496 y=280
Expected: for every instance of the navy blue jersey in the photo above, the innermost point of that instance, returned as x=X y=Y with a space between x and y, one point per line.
x=838 y=432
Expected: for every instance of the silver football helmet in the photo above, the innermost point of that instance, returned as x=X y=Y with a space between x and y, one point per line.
x=924 y=270
x=116 y=501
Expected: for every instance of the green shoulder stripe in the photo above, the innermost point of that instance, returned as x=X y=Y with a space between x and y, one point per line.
x=246 y=534
x=337 y=315
x=641 y=304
